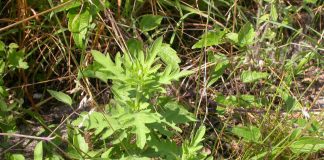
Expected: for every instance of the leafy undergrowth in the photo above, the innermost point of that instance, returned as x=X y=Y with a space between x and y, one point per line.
x=163 y=79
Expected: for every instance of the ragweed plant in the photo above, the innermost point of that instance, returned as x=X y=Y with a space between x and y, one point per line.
x=132 y=124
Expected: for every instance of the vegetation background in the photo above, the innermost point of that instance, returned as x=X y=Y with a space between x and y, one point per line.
x=161 y=79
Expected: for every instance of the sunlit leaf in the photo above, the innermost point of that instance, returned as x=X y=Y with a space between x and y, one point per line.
x=78 y=24
x=15 y=58
x=209 y=39
x=176 y=113
x=17 y=157
x=38 y=151
x=221 y=63
x=79 y=142
x=199 y=135
x=252 y=76
x=232 y=37
x=169 y=55
x=246 y=35
x=250 y=133
x=60 y=96
x=307 y=145
x=310 y=1
x=149 y=22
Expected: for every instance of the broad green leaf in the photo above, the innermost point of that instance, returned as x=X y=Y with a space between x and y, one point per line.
x=221 y=64
x=73 y=4
x=79 y=142
x=250 y=133
x=273 y=12
x=291 y=103
x=78 y=24
x=13 y=46
x=247 y=100
x=209 y=39
x=304 y=59
x=264 y=18
x=261 y=155
x=176 y=113
x=149 y=22
x=310 y=1
x=154 y=50
x=169 y=56
x=17 y=157
x=232 y=37
x=101 y=4
x=15 y=58
x=60 y=96
x=38 y=151
x=307 y=145
x=2 y=66
x=103 y=60
x=134 y=157
x=295 y=133
x=199 y=137
x=54 y=157
x=168 y=75
x=135 y=47
x=3 y=91
x=252 y=76
x=246 y=35
x=227 y=101
x=2 y=46
x=94 y=72
x=164 y=147
x=3 y=106
x=106 y=153
x=138 y=122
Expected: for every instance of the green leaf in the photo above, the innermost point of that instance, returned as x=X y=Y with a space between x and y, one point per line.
x=149 y=22
x=73 y=4
x=3 y=106
x=250 y=133
x=252 y=76
x=106 y=154
x=60 y=96
x=79 y=142
x=135 y=47
x=169 y=56
x=199 y=137
x=209 y=39
x=168 y=75
x=78 y=24
x=232 y=37
x=17 y=157
x=246 y=35
x=140 y=129
x=103 y=60
x=247 y=100
x=176 y=113
x=227 y=101
x=38 y=151
x=13 y=46
x=221 y=64
x=15 y=58
x=164 y=147
x=101 y=4
x=307 y=145
x=3 y=91
x=273 y=12
x=154 y=50
x=2 y=46
x=310 y=1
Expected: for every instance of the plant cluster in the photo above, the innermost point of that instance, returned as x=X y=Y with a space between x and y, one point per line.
x=99 y=79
